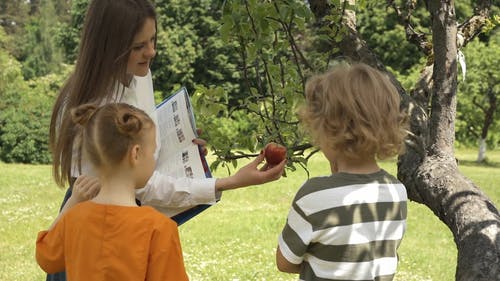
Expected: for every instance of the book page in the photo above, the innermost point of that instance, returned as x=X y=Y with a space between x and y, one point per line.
x=179 y=156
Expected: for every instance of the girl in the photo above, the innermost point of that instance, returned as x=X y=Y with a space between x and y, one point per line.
x=110 y=237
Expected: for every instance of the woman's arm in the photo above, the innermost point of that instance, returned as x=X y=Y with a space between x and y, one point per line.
x=170 y=192
x=251 y=175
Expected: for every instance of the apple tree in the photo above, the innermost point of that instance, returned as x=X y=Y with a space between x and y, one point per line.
x=281 y=43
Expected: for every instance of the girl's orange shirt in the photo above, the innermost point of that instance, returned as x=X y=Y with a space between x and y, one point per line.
x=107 y=242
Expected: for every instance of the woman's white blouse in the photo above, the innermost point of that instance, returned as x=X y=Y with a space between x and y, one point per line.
x=167 y=194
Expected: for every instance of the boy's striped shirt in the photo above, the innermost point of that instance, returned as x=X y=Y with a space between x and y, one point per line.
x=346 y=227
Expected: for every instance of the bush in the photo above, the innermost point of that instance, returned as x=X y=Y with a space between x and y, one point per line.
x=25 y=118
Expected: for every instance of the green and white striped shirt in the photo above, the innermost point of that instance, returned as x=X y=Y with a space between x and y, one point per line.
x=346 y=227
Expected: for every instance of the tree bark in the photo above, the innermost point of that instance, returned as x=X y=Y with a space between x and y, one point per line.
x=428 y=168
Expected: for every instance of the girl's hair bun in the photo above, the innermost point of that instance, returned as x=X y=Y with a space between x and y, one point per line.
x=82 y=114
x=128 y=123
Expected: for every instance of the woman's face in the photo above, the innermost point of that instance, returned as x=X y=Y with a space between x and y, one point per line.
x=143 y=49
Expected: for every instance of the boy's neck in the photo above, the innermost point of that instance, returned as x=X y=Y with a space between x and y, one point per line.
x=362 y=166
x=116 y=191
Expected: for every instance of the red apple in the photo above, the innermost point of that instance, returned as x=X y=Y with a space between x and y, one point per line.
x=274 y=153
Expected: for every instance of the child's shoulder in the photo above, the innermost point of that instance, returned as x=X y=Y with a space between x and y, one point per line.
x=318 y=184
x=340 y=180
x=80 y=208
x=330 y=181
x=155 y=217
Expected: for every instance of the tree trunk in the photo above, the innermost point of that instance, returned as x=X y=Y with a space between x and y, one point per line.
x=489 y=113
x=481 y=155
x=428 y=168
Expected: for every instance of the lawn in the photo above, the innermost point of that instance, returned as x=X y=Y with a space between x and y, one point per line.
x=235 y=239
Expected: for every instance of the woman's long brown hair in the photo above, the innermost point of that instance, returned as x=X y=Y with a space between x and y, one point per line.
x=105 y=44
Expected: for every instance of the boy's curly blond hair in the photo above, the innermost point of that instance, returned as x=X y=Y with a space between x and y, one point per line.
x=355 y=111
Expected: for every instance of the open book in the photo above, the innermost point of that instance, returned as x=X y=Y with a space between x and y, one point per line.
x=179 y=157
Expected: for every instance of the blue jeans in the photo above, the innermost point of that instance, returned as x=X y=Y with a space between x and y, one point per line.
x=60 y=276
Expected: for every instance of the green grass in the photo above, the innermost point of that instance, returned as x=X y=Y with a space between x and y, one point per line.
x=235 y=239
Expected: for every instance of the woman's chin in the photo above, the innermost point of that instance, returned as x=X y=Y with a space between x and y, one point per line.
x=142 y=71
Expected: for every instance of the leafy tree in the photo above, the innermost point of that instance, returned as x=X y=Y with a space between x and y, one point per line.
x=10 y=72
x=428 y=168
x=40 y=54
x=479 y=94
x=68 y=31
x=381 y=28
x=13 y=14
x=188 y=51
x=273 y=67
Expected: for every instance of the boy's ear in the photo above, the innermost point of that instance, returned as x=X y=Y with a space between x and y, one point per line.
x=134 y=154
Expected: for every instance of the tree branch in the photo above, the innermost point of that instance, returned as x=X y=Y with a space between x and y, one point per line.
x=474 y=102
x=473 y=26
x=418 y=39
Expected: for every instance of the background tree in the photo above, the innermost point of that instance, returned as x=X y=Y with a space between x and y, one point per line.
x=68 y=32
x=189 y=52
x=478 y=96
x=13 y=14
x=381 y=29
x=10 y=72
x=32 y=26
x=40 y=54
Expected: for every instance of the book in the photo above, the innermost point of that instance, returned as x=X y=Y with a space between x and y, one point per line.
x=179 y=157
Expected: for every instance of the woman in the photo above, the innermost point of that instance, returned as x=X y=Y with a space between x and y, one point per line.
x=117 y=46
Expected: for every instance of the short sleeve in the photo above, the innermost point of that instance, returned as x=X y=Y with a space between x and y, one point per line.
x=50 y=249
x=296 y=236
x=165 y=258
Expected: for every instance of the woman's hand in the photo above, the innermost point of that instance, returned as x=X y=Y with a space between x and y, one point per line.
x=85 y=188
x=250 y=174
x=201 y=142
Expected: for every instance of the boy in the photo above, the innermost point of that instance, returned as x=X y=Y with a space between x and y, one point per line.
x=348 y=226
